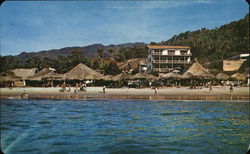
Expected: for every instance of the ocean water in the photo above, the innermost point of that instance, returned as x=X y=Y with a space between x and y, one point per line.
x=124 y=126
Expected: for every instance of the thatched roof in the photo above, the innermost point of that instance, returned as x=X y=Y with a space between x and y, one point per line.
x=171 y=75
x=143 y=76
x=46 y=74
x=186 y=75
x=81 y=72
x=9 y=78
x=108 y=77
x=121 y=76
x=199 y=71
x=246 y=75
x=38 y=75
x=238 y=76
x=24 y=73
x=221 y=76
x=143 y=61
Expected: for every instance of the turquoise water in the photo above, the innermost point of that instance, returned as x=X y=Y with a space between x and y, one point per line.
x=123 y=126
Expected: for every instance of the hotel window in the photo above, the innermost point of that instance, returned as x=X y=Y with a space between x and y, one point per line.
x=171 y=52
x=183 y=52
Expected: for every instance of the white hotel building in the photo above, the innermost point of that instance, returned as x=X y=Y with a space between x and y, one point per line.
x=164 y=59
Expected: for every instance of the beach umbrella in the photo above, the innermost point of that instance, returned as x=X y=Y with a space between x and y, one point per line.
x=53 y=76
x=143 y=76
x=198 y=71
x=24 y=73
x=222 y=76
x=39 y=75
x=10 y=78
x=121 y=76
x=187 y=75
x=108 y=77
x=81 y=72
x=238 y=76
x=171 y=75
x=204 y=75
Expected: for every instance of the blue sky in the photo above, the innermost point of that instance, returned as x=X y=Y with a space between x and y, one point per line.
x=33 y=26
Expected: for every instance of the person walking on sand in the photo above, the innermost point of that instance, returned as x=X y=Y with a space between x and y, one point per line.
x=210 y=88
x=104 y=89
x=75 y=90
x=24 y=94
x=231 y=89
x=155 y=90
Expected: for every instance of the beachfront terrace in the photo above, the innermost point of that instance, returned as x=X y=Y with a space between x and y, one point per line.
x=172 y=61
x=171 y=54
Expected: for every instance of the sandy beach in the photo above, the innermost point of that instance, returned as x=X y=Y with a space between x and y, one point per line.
x=182 y=93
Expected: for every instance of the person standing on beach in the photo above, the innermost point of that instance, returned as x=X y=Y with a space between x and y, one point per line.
x=85 y=87
x=75 y=90
x=231 y=89
x=104 y=89
x=210 y=87
x=155 y=90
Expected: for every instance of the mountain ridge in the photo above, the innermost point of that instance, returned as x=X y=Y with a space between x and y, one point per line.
x=89 y=51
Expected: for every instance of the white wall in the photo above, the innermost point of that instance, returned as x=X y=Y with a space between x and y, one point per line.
x=149 y=63
x=177 y=52
x=165 y=52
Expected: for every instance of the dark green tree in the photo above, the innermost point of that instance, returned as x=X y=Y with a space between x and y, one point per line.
x=112 y=68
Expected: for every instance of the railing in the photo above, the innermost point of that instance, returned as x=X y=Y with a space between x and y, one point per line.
x=172 y=61
x=165 y=69
x=171 y=54
x=156 y=53
x=161 y=69
x=186 y=54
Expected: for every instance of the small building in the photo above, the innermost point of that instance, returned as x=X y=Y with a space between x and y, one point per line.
x=143 y=66
x=240 y=57
x=24 y=73
x=234 y=63
x=163 y=59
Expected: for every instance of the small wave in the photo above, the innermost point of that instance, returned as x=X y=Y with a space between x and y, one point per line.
x=75 y=117
x=60 y=143
x=43 y=122
x=176 y=113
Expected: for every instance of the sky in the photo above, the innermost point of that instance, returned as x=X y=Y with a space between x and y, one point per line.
x=32 y=26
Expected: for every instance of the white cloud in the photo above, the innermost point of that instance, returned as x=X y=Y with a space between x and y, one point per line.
x=156 y=4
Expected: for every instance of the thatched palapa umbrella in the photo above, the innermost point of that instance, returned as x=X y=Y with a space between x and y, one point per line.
x=171 y=75
x=143 y=76
x=24 y=73
x=81 y=72
x=108 y=77
x=199 y=71
x=187 y=75
x=121 y=76
x=222 y=76
x=40 y=74
x=238 y=76
x=49 y=76
x=10 y=78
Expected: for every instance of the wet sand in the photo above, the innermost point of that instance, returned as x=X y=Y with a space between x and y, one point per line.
x=172 y=93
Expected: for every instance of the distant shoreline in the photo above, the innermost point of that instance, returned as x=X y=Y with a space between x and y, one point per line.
x=168 y=93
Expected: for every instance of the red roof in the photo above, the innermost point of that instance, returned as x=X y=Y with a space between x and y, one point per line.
x=167 y=47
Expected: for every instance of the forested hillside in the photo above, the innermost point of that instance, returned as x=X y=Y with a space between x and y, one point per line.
x=215 y=44
x=209 y=46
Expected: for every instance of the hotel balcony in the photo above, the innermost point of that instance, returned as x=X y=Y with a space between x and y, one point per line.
x=161 y=69
x=172 y=61
x=171 y=54
x=164 y=69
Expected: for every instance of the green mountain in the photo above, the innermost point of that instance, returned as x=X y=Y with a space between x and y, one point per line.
x=210 y=46
x=215 y=44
